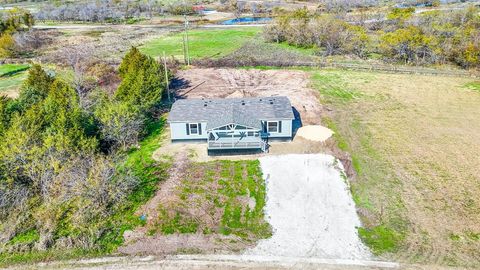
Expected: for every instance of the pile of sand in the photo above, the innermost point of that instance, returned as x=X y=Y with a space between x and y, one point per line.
x=315 y=133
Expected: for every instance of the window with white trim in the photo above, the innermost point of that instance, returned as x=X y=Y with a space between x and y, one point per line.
x=193 y=129
x=272 y=127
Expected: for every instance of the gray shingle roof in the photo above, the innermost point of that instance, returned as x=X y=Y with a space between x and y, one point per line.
x=242 y=111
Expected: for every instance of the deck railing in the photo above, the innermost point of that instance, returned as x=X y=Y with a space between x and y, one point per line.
x=235 y=145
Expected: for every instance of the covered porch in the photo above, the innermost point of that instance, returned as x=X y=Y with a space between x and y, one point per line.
x=235 y=137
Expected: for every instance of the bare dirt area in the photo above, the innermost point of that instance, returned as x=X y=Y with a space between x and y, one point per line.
x=229 y=83
x=182 y=243
x=11 y=93
x=164 y=194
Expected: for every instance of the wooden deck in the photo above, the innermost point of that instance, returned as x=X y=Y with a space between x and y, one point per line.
x=244 y=143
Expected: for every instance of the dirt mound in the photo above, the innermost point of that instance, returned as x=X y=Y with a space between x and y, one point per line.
x=315 y=133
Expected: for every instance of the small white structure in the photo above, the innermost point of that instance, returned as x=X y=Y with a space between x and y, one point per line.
x=237 y=123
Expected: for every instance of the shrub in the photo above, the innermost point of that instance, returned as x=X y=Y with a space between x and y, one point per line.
x=7 y=45
x=120 y=123
x=410 y=44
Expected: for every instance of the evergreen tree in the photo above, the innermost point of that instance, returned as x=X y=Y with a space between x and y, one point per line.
x=142 y=81
x=41 y=138
x=120 y=123
x=35 y=88
x=65 y=124
x=131 y=61
x=4 y=113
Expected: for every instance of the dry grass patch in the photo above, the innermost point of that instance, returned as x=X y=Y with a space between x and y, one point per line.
x=415 y=141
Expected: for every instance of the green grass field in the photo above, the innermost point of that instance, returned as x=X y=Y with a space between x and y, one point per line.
x=11 y=78
x=11 y=68
x=10 y=85
x=202 y=43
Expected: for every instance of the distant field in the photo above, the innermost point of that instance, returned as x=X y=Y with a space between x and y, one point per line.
x=9 y=85
x=5 y=69
x=202 y=43
x=11 y=78
x=414 y=142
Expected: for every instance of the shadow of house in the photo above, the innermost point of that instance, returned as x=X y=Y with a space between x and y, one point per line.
x=179 y=85
x=297 y=122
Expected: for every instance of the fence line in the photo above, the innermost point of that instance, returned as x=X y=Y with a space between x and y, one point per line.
x=318 y=64
x=347 y=66
x=402 y=69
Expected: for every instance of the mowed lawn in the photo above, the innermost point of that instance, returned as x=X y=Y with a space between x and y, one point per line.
x=212 y=43
x=415 y=144
x=12 y=68
x=11 y=78
x=10 y=85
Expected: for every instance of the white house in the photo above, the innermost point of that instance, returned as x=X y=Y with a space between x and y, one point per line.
x=236 y=123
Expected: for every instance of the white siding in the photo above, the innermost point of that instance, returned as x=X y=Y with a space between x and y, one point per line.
x=286 y=130
x=178 y=131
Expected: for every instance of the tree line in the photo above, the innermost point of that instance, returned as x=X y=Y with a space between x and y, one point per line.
x=112 y=11
x=62 y=181
x=433 y=37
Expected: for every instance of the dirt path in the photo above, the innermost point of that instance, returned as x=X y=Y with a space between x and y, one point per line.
x=150 y=209
x=224 y=262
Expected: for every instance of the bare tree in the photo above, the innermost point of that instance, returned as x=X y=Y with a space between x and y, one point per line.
x=78 y=58
x=30 y=40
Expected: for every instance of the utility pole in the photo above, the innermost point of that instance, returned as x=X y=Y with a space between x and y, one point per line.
x=184 y=49
x=185 y=38
x=166 y=76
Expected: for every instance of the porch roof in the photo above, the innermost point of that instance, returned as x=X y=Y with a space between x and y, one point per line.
x=241 y=111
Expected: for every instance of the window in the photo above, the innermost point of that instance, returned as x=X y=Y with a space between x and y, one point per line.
x=193 y=129
x=272 y=127
x=250 y=133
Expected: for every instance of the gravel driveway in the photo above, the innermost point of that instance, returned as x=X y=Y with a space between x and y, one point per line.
x=310 y=208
